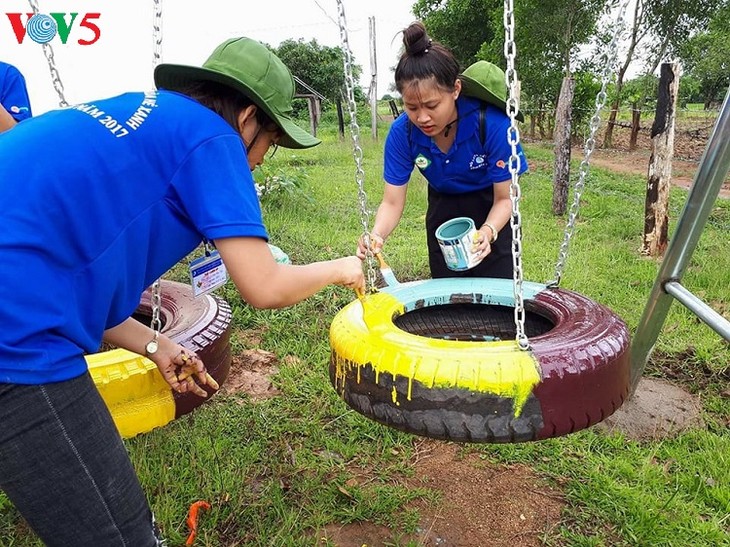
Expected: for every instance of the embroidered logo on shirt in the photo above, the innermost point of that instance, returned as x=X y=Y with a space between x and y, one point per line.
x=422 y=161
x=478 y=161
x=501 y=164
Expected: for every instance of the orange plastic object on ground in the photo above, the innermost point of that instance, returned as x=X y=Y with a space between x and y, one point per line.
x=193 y=519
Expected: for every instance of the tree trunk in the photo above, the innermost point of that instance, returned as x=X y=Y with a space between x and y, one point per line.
x=532 y=126
x=340 y=119
x=656 y=217
x=313 y=120
x=634 y=39
x=563 y=122
x=635 y=126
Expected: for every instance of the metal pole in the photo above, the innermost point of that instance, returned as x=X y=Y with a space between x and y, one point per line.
x=373 y=82
x=712 y=171
x=713 y=319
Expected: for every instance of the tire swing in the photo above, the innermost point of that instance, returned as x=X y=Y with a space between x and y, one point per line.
x=131 y=385
x=480 y=359
x=138 y=397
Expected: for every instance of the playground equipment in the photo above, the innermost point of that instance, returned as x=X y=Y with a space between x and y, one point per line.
x=457 y=377
x=434 y=357
x=131 y=385
x=711 y=173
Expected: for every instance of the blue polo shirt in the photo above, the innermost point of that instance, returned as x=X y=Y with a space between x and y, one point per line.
x=13 y=92
x=468 y=166
x=98 y=200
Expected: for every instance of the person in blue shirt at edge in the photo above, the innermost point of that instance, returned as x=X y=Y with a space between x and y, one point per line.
x=465 y=160
x=98 y=200
x=14 y=101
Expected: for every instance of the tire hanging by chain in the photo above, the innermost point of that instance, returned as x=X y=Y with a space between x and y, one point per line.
x=370 y=276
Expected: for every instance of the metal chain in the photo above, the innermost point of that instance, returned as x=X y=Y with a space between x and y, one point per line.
x=157 y=34
x=156 y=323
x=48 y=52
x=370 y=277
x=611 y=56
x=513 y=137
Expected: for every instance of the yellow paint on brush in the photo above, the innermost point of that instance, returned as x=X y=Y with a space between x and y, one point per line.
x=133 y=389
x=363 y=333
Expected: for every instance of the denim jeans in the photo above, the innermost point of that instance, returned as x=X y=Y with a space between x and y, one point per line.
x=65 y=468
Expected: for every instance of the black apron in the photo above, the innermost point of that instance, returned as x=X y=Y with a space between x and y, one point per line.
x=475 y=205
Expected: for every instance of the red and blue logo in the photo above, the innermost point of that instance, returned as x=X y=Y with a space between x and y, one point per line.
x=42 y=28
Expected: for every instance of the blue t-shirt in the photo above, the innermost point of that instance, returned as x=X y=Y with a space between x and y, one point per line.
x=468 y=166
x=97 y=201
x=13 y=93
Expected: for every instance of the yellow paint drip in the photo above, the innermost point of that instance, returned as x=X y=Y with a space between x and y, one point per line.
x=363 y=334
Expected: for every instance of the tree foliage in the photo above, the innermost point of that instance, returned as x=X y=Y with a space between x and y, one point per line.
x=673 y=22
x=460 y=25
x=549 y=36
x=321 y=67
x=706 y=58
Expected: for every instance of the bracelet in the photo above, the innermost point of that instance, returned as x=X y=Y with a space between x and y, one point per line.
x=494 y=231
x=152 y=346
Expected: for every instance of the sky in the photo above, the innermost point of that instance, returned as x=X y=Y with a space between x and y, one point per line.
x=121 y=59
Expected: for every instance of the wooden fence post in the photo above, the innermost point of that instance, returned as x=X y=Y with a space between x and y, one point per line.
x=340 y=119
x=656 y=216
x=563 y=123
x=635 y=126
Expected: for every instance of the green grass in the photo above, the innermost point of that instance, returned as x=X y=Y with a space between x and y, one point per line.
x=276 y=471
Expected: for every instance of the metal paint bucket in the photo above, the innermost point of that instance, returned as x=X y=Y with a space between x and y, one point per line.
x=456 y=239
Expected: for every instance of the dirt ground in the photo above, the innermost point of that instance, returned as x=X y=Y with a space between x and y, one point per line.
x=637 y=163
x=478 y=503
x=690 y=142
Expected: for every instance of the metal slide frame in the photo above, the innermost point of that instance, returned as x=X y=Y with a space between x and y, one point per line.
x=712 y=171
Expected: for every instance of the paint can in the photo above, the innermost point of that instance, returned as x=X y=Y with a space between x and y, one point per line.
x=457 y=238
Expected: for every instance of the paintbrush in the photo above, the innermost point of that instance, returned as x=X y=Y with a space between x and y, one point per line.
x=386 y=272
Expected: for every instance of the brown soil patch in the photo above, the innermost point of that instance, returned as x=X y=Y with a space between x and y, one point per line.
x=690 y=141
x=480 y=504
x=637 y=163
x=251 y=372
x=657 y=410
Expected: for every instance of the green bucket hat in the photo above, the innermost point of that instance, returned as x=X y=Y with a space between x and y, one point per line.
x=486 y=82
x=249 y=67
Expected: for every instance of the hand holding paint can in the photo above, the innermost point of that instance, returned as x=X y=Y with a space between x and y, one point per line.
x=457 y=238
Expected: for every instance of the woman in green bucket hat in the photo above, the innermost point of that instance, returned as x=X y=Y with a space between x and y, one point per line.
x=100 y=199
x=454 y=130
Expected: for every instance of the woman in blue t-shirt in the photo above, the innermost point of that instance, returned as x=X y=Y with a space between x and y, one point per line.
x=14 y=101
x=459 y=144
x=100 y=199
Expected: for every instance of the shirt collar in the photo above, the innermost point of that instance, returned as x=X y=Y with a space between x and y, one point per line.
x=467 y=126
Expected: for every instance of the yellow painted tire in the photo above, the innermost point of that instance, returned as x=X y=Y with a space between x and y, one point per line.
x=575 y=373
x=138 y=397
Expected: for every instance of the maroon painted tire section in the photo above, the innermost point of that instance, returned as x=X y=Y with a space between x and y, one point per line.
x=584 y=362
x=201 y=324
